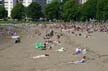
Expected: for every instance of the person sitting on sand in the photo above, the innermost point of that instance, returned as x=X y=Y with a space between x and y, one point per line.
x=18 y=40
x=45 y=44
x=77 y=51
x=58 y=36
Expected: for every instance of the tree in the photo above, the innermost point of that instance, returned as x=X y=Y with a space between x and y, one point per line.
x=64 y=1
x=88 y=10
x=18 y=12
x=3 y=12
x=34 y=11
x=53 y=10
x=70 y=10
x=102 y=10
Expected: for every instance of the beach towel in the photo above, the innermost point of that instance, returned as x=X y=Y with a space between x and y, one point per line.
x=60 y=50
x=39 y=45
x=15 y=37
x=40 y=56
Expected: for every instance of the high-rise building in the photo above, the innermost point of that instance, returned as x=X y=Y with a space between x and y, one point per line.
x=9 y=4
x=1 y=2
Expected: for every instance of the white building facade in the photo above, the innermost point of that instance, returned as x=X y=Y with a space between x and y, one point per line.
x=1 y=2
x=27 y=2
x=9 y=4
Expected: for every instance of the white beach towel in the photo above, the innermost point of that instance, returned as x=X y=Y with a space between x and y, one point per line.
x=39 y=56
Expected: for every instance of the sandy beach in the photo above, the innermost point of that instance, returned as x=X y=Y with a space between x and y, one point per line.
x=19 y=57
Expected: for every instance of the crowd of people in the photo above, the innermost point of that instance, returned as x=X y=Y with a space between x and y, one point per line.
x=9 y=33
x=53 y=37
x=75 y=29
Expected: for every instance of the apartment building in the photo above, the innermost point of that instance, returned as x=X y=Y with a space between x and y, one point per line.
x=1 y=2
x=9 y=4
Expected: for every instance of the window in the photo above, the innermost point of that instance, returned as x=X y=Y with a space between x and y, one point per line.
x=0 y=2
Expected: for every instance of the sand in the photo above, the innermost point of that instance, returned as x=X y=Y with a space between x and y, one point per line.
x=19 y=57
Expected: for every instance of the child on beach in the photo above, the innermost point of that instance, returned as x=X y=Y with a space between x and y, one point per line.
x=18 y=40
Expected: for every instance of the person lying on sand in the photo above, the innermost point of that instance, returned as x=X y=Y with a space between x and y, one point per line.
x=83 y=60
